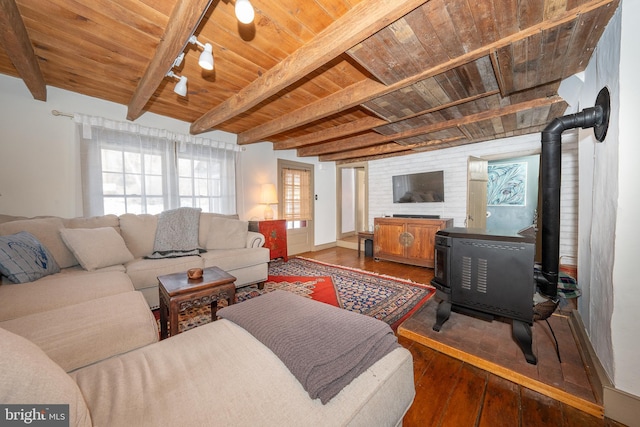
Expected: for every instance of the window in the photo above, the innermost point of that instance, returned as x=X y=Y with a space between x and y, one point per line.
x=206 y=178
x=296 y=192
x=149 y=170
x=132 y=182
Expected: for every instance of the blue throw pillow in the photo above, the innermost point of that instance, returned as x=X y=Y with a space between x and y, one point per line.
x=24 y=259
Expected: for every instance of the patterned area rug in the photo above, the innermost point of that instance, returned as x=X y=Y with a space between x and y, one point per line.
x=389 y=299
x=318 y=288
x=386 y=298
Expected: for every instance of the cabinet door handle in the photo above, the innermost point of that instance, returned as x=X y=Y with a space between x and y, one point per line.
x=406 y=239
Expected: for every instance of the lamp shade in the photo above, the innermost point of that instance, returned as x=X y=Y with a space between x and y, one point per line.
x=181 y=87
x=268 y=194
x=206 y=57
x=244 y=11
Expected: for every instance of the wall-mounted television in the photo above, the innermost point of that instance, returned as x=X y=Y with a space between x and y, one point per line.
x=423 y=187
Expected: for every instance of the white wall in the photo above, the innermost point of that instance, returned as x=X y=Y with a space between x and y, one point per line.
x=349 y=202
x=626 y=291
x=259 y=166
x=40 y=172
x=453 y=161
x=598 y=195
x=610 y=204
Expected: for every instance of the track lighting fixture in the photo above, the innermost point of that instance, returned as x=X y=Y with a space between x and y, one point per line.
x=178 y=60
x=180 y=87
x=244 y=11
x=206 y=57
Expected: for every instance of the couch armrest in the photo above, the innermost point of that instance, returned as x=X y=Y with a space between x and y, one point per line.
x=255 y=240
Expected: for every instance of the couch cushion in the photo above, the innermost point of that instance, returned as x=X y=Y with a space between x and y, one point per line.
x=112 y=325
x=205 y=222
x=144 y=272
x=28 y=376
x=7 y=218
x=227 y=234
x=232 y=259
x=139 y=233
x=47 y=231
x=170 y=383
x=96 y=247
x=93 y=222
x=24 y=259
x=68 y=287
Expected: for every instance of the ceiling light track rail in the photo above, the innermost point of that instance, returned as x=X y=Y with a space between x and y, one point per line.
x=245 y=14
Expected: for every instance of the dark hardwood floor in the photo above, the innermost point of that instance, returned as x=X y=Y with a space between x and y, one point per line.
x=450 y=392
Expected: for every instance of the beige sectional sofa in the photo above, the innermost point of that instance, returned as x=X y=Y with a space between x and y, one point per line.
x=213 y=375
x=228 y=243
x=105 y=286
x=86 y=337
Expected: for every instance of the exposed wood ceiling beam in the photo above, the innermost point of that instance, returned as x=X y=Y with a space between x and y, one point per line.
x=386 y=149
x=363 y=20
x=341 y=131
x=371 y=140
x=16 y=42
x=372 y=154
x=344 y=99
x=361 y=125
x=185 y=17
x=367 y=90
x=351 y=143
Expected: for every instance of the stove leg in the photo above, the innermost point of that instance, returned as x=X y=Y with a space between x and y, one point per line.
x=442 y=314
x=523 y=336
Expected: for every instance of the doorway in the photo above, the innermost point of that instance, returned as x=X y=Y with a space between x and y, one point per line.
x=352 y=203
x=295 y=192
x=503 y=192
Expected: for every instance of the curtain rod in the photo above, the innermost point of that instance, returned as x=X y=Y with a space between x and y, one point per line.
x=60 y=113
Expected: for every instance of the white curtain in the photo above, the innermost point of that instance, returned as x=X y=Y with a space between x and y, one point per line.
x=207 y=175
x=169 y=169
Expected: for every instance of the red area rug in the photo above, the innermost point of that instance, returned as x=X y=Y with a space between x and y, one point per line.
x=386 y=298
x=317 y=288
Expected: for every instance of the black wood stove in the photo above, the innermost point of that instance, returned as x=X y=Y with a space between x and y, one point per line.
x=488 y=275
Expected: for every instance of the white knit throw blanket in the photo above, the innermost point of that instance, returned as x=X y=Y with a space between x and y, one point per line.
x=177 y=233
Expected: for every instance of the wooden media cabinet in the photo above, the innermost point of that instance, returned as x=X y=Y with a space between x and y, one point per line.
x=407 y=240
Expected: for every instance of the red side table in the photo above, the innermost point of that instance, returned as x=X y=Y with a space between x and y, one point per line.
x=275 y=236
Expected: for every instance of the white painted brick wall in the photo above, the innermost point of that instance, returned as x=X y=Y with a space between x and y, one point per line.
x=453 y=161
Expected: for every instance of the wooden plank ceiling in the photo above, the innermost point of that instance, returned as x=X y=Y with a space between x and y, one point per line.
x=345 y=80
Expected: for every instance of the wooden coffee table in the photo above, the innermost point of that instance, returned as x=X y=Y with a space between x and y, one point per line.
x=178 y=293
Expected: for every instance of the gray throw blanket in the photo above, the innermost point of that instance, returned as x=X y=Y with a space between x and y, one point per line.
x=177 y=233
x=323 y=346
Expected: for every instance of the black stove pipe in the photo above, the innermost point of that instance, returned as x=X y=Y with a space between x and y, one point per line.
x=551 y=159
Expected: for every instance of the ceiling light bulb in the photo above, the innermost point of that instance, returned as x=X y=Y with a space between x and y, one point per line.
x=244 y=11
x=206 y=57
x=181 y=86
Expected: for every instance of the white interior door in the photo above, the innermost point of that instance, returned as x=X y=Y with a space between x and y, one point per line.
x=296 y=194
x=476 y=192
x=352 y=199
